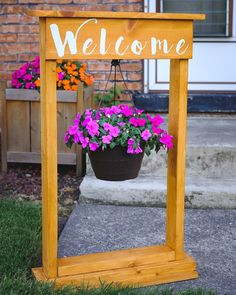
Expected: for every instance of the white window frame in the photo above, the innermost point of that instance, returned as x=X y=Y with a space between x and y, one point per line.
x=150 y=81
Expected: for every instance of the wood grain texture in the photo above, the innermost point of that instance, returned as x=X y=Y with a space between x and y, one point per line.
x=65 y=116
x=108 y=14
x=114 y=260
x=176 y=156
x=3 y=126
x=49 y=159
x=140 y=31
x=35 y=127
x=22 y=94
x=144 y=275
x=33 y=95
x=18 y=126
x=35 y=157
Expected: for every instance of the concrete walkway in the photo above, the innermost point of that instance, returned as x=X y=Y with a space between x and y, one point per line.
x=210 y=237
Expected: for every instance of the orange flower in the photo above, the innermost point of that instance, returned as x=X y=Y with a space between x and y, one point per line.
x=77 y=81
x=74 y=87
x=67 y=87
x=69 y=70
x=68 y=63
x=66 y=82
x=73 y=66
x=81 y=71
x=58 y=70
x=84 y=66
x=89 y=80
x=72 y=79
x=59 y=83
x=75 y=73
x=37 y=82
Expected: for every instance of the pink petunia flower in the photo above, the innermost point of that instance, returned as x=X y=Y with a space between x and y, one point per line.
x=92 y=128
x=27 y=85
x=126 y=111
x=138 y=150
x=66 y=137
x=157 y=121
x=133 y=121
x=84 y=141
x=157 y=130
x=73 y=129
x=141 y=122
x=131 y=141
x=77 y=119
x=146 y=134
x=106 y=139
x=93 y=146
x=107 y=126
x=114 y=131
x=167 y=140
x=28 y=77
x=115 y=110
x=76 y=138
x=61 y=75
x=86 y=121
x=130 y=150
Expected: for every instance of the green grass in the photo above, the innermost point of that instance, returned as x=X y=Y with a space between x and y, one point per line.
x=20 y=236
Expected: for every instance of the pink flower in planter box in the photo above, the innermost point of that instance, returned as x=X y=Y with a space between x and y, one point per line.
x=61 y=75
x=28 y=77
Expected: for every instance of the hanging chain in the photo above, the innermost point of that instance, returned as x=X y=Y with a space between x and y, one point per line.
x=115 y=63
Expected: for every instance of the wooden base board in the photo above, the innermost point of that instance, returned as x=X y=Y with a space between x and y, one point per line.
x=142 y=275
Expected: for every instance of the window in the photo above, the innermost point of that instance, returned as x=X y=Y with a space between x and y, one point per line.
x=218 y=21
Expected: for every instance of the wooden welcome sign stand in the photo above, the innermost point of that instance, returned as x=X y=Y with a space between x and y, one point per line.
x=107 y=35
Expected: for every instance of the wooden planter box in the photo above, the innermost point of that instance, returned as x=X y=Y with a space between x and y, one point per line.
x=20 y=124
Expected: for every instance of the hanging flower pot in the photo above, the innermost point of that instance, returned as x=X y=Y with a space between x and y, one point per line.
x=115 y=164
x=116 y=138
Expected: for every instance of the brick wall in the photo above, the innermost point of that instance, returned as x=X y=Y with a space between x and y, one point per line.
x=19 y=35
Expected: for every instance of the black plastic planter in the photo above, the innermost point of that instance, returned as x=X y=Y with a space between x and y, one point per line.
x=115 y=164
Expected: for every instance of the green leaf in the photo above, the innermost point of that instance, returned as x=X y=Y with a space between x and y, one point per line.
x=112 y=145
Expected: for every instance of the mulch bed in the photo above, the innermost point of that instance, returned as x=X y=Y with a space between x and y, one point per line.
x=23 y=182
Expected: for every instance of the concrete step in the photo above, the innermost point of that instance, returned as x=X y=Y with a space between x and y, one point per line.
x=211 y=149
x=201 y=192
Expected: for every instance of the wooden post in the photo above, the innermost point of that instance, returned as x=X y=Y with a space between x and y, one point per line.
x=49 y=159
x=78 y=149
x=176 y=157
x=3 y=124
